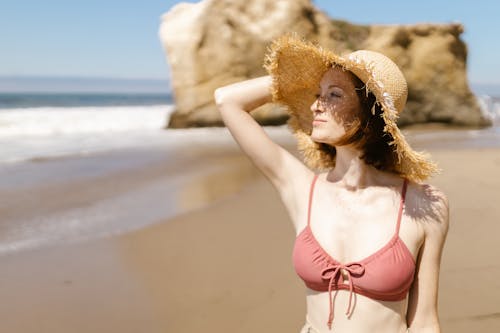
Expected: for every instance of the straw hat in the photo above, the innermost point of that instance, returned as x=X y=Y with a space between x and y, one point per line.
x=297 y=66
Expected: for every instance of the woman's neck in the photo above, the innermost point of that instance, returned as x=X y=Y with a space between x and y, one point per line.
x=350 y=170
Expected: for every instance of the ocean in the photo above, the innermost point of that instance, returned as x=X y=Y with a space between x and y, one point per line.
x=34 y=100
x=37 y=126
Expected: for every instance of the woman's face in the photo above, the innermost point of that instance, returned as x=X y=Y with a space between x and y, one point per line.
x=336 y=106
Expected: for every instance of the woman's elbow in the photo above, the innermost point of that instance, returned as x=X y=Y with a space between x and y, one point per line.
x=221 y=97
x=224 y=100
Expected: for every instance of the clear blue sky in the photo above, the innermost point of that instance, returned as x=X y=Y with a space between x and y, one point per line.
x=119 y=39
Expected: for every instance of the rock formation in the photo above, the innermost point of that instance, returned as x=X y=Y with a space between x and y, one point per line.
x=433 y=60
x=216 y=42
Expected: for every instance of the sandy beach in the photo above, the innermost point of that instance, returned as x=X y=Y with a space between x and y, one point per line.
x=224 y=264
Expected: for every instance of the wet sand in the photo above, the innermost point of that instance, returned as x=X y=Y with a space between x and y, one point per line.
x=227 y=267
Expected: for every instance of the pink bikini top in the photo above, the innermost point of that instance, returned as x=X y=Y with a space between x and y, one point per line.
x=385 y=275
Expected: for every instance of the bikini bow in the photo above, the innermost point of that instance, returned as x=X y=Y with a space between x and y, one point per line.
x=331 y=273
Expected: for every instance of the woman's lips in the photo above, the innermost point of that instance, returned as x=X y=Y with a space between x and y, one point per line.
x=318 y=121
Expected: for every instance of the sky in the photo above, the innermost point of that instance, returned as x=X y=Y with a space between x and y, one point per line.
x=119 y=39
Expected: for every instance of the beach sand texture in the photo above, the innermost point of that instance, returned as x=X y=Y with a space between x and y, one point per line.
x=226 y=266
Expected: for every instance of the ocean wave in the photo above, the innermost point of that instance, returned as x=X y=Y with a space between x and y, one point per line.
x=56 y=121
x=490 y=107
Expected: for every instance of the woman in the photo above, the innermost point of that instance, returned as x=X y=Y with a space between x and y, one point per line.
x=370 y=234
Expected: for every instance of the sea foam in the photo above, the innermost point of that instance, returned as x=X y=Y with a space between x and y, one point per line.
x=50 y=121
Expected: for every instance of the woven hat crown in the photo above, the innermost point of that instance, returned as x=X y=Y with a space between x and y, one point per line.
x=382 y=76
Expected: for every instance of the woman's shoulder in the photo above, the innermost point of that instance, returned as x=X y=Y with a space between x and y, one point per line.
x=429 y=194
x=429 y=205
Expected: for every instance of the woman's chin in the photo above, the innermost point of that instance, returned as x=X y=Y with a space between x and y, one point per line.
x=322 y=139
x=316 y=139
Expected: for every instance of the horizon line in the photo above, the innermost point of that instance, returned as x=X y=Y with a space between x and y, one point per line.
x=72 y=77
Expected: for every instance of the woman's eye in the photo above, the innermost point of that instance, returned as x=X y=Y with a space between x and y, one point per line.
x=334 y=95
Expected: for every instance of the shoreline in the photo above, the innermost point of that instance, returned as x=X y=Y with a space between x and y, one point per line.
x=36 y=213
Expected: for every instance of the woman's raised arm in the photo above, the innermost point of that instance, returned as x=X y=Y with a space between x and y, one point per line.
x=234 y=102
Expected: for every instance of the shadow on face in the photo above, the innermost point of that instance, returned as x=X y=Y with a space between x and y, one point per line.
x=338 y=102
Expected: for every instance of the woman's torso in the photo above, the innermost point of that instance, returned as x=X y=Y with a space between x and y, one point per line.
x=368 y=316
x=350 y=226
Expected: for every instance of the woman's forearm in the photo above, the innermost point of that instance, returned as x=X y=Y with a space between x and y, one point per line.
x=247 y=95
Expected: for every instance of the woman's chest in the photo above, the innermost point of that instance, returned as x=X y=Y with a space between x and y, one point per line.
x=351 y=228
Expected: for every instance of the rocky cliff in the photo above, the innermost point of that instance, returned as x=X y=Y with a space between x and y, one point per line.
x=216 y=42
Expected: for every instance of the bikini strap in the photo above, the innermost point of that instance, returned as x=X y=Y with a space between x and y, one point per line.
x=310 y=198
x=401 y=205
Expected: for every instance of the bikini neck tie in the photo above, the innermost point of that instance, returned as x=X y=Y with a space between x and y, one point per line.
x=332 y=272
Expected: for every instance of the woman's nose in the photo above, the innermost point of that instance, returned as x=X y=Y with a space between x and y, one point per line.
x=315 y=106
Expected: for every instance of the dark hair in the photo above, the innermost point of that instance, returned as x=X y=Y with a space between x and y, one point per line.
x=367 y=133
